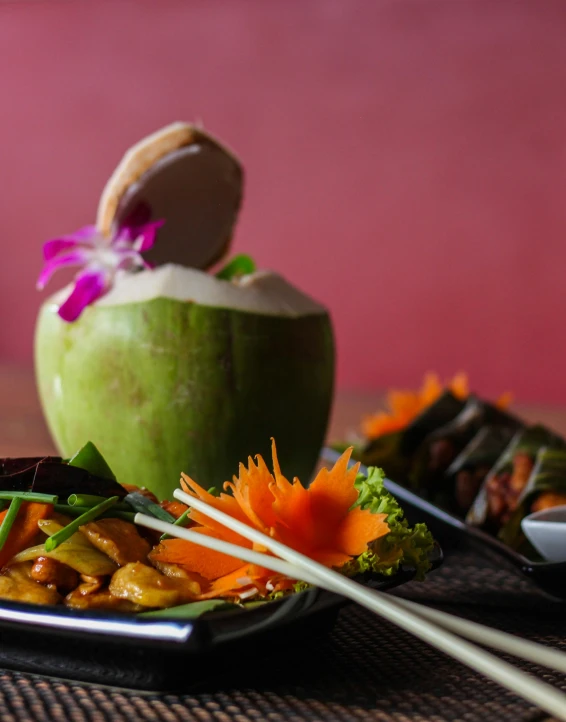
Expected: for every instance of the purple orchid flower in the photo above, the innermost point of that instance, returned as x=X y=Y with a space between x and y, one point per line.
x=100 y=257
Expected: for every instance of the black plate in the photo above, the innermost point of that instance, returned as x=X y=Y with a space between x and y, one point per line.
x=447 y=529
x=157 y=654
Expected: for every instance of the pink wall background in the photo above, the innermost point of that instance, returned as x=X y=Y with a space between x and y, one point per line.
x=406 y=161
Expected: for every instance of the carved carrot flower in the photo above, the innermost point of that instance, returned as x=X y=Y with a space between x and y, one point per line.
x=404 y=406
x=100 y=259
x=321 y=522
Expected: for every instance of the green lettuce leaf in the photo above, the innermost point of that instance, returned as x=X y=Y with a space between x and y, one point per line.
x=402 y=546
x=297 y=587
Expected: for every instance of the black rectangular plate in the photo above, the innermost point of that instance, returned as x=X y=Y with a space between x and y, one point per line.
x=449 y=529
x=160 y=654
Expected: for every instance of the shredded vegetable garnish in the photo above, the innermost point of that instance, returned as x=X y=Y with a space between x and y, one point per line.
x=9 y=519
x=116 y=513
x=30 y=496
x=90 y=500
x=183 y=520
x=24 y=530
x=85 y=500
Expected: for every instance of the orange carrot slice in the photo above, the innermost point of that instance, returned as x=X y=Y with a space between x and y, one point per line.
x=24 y=530
x=196 y=559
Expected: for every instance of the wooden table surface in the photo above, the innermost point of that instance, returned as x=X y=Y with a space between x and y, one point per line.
x=23 y=431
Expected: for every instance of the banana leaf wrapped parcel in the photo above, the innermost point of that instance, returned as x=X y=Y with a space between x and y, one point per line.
x=394 y=451
x=500 y=493
x=443 y=445
x=441 y=412
x=383 y=452
x=545 y=488
x=465 y=475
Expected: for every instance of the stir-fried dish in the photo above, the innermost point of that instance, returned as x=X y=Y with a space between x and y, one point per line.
x=68 y=535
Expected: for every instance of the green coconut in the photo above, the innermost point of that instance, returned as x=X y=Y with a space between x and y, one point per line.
x=178 y=370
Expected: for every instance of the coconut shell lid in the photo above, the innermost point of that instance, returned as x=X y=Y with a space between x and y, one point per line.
x=184 y=176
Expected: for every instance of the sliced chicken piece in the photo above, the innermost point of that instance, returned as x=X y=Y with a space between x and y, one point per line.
x=55 y=574
x=77 y=552
x=146 y=586
x=101 y=599
x=118 y=539
x=19 y=571
x=89 y=585
x=16 y=584
x=173 y=570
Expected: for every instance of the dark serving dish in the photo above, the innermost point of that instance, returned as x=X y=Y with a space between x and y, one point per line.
x=449 y=529
x=159 y=653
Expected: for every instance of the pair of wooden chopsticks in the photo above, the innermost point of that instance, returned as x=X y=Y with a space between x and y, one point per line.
x=441 y=630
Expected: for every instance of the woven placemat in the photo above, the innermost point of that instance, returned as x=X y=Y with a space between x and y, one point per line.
x=364 y=669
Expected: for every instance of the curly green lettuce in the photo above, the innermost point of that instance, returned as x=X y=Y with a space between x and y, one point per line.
x=402 y=546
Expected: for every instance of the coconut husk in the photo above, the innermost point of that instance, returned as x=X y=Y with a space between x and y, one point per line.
x=184 y=176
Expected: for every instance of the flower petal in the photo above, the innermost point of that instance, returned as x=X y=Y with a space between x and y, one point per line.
x=54 y=247
x=133 y=261
x=89 y=286
x=73 y=258
x=85 y=235
x=129 y=260
x=146 y=236
x=102 y=257
x=137 y=237
x=138 y=217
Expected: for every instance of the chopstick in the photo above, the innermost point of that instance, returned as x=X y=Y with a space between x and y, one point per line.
x=494 y=638
x=299 y=566
x=502 y=641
